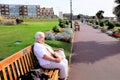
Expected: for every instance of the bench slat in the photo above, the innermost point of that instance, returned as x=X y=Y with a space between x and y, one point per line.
x=22 y=62
x=21 y=69
x=55 y=75
x=50 y=73
x=10 y=73
x=0 y=77
x=4 y=74
x=26 y=64
x=17 y=69
x=14 y=72
x=30 y=59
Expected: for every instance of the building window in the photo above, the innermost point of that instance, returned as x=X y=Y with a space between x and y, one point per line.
x=7 y=12
x=14 y=10
x=32 y=11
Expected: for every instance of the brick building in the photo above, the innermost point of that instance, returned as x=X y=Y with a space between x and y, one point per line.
x=25 y=11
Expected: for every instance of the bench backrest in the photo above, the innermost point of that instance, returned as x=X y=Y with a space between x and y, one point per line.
x=18 y=64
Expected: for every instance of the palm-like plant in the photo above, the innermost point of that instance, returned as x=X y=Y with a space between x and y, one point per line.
x=99 y=14
x=116 y=10
x=117 y=1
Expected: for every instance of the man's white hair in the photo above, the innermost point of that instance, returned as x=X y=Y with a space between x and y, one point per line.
x=39 y=35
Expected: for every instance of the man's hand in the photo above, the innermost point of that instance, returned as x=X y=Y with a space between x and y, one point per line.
x=57 y=55
x=57 y=60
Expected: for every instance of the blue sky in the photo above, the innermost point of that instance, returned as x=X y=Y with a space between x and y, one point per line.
x=86 y=7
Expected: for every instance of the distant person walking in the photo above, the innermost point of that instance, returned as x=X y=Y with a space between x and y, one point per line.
x=76 y=26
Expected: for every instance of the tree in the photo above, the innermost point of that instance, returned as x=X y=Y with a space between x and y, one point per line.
x=99 y=14
x=78 y=16
x=116 y=10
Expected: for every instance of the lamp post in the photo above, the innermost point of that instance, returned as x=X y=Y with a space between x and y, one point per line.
x=71 y=12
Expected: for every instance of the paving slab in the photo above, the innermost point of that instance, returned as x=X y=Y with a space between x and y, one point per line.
x=96 y=56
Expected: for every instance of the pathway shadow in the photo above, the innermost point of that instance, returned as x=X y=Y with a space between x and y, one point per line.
x=90 y=52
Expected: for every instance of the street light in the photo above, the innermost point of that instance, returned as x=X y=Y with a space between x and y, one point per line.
x=71 y=12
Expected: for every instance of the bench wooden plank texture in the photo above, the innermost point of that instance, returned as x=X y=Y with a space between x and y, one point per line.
x=20 y=63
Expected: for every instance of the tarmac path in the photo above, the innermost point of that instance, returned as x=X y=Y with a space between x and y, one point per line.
x=96 y=56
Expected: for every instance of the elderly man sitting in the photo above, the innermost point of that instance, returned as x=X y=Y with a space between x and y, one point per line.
x=48 y=58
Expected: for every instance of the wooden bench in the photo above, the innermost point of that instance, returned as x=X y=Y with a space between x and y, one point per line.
x=20 y=63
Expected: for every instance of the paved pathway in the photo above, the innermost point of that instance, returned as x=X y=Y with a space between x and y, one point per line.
x=96 y=56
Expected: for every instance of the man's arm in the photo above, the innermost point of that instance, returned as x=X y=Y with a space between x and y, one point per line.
x=58 y=55
x=51 y=58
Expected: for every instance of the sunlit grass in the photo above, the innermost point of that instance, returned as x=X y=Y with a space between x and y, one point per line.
x=24 y=33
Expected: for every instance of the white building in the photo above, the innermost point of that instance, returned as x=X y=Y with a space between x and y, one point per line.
x=61 y=15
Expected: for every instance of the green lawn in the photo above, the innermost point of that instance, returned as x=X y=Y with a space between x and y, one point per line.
x=25 y=34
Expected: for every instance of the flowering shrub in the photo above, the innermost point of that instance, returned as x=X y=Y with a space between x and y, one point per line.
x=55 y=29
x=62 y=32
x=8 y=22
x=58 y=36
x=49 y=35
x=65 y=35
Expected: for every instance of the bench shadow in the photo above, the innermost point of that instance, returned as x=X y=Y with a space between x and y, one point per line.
x=90 y=52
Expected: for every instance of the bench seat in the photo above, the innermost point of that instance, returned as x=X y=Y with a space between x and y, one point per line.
x=20 y=63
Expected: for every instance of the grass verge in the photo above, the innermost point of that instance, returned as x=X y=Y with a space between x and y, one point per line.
x=24 y=34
